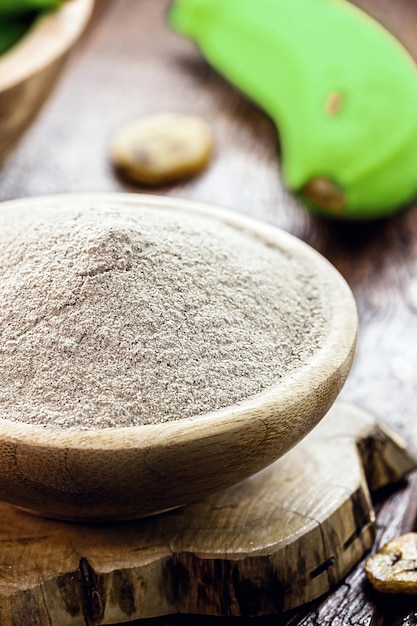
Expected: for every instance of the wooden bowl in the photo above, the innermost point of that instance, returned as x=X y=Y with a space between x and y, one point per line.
x=29 y=70
x=123 y=473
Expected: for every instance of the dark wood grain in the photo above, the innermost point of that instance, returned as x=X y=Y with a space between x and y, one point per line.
x=131 y=64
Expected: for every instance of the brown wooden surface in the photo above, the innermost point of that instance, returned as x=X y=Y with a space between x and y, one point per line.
x=130 y=64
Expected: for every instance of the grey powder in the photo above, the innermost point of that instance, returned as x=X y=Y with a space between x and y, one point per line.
x=119 y=316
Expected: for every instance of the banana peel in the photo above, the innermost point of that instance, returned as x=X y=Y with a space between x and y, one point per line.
x=341 y=90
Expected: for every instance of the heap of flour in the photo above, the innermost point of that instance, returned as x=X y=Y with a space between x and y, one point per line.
x=120 y=316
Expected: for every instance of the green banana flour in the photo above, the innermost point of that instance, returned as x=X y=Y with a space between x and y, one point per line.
x=119 y=316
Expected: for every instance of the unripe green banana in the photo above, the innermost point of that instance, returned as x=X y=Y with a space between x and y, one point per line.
x=11 y=30
x=341 y=90
x=17 y=16
x=18 y=7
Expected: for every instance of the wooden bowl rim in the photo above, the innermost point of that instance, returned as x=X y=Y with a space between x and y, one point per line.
x=338 y=349
x=48 y=39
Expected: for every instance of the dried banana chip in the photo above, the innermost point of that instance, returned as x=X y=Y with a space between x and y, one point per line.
x=162 y=148
x=393 y=569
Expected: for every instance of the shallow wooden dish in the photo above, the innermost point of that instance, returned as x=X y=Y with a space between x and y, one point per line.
x=29 y=70
x=121 y=473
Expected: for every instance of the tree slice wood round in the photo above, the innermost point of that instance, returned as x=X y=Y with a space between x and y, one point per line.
x=275 y=541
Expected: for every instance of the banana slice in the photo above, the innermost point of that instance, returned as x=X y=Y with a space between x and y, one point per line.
x=394 y=568
x=162 y=148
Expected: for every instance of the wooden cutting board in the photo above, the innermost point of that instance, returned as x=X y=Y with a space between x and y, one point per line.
x=271 y=543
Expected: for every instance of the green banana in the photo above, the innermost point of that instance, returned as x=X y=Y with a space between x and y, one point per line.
x=18 y=7
x=13 y=30
x=17 y=16
x=341 y=90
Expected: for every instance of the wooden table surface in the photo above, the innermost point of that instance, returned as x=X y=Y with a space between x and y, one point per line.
x=129 y=64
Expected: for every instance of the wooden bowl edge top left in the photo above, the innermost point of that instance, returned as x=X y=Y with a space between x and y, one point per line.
x=50 y=37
